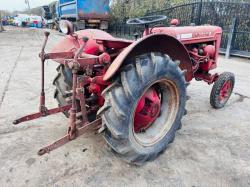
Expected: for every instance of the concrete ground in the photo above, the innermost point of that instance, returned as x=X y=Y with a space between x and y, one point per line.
x=212 y=148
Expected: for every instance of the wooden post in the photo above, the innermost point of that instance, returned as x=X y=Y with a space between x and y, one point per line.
x=230 y=38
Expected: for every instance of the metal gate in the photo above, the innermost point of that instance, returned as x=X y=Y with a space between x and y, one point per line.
x=234 y=18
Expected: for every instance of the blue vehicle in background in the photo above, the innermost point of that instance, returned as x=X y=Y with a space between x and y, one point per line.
x=85 y=13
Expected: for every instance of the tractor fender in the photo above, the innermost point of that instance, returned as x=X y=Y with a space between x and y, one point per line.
x=163 y=43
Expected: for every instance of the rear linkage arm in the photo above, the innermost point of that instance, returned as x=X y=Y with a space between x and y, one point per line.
x=73 y=131
x=43 y=111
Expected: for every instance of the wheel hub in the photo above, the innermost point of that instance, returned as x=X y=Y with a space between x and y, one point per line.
x=225 y=91
x=148 y=109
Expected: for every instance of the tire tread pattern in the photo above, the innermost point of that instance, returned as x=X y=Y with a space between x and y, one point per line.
x=214 y=96
x=134 y=77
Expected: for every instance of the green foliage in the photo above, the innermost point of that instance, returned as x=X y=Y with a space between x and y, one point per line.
x=124 y=9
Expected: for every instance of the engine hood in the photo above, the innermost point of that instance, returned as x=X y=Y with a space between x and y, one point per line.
x=190 y=33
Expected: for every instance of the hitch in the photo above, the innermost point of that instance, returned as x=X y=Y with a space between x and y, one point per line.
x=73 y=131
x=43 y=111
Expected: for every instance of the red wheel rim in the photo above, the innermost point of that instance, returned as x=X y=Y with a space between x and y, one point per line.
x=155 y=112
x=225 y=91
x=147 y=110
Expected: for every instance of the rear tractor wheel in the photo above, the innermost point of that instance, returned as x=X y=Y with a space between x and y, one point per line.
x=63 y=84
x=143 y=110
x=222 y=90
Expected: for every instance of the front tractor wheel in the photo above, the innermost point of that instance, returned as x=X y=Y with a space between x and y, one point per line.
x=222 y=90
x=143 y=110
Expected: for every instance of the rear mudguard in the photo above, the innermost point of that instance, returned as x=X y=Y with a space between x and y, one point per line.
x=154 y=43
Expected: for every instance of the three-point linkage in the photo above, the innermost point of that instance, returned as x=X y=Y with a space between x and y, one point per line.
x=77 y=93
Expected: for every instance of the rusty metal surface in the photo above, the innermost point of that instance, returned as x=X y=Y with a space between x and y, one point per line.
x=42 y=57
x=80 y=131
x=72 y=118
x=77 y=92
x=40 y=114
x=59 y=55
x=72 y=130
x=80 y=93
x=43 y=111
x=154 y=43
x=66 y=58
x=83 y=62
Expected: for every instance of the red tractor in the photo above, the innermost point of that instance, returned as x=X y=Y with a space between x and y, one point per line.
x=132 y=92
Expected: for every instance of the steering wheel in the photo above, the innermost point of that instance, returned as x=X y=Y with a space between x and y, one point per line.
x=146 y=20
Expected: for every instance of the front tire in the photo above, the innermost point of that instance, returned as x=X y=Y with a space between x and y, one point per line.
x=222 y=90
x=135 y=140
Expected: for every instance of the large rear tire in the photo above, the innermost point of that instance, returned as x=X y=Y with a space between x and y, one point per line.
x=143 y=76
x=63 y=83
